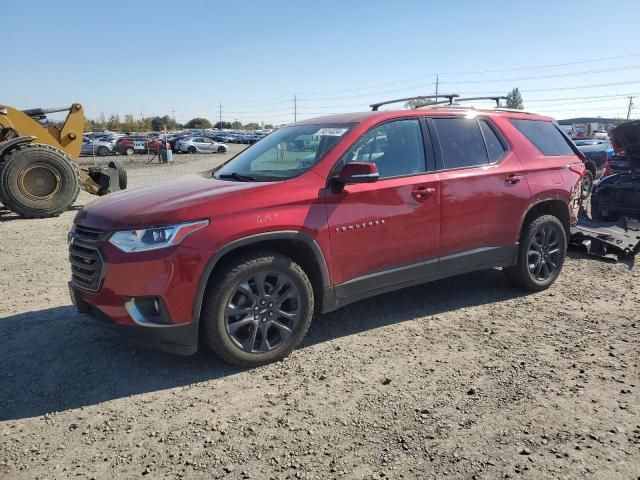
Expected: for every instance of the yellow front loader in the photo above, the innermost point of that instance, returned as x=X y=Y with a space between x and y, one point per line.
x=39 y=175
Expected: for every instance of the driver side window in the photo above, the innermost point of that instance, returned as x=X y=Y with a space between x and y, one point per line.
x=395 y=147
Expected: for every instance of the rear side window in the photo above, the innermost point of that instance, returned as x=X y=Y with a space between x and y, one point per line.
x=495 y=147
x=545 y=136
x=461 y=142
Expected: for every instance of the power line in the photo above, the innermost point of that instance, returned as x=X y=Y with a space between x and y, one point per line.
x=479 y=72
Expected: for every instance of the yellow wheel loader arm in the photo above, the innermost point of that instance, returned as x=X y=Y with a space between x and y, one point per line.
x=68 y=138
x=39 y=175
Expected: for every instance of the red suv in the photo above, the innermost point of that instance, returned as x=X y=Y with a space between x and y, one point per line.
x=322 y=213
x=131 y=145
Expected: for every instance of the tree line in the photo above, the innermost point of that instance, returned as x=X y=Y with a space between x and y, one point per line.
x=157 y=124
x=514 y=100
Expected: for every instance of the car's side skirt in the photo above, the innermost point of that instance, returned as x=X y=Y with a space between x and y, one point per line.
x=422 y=272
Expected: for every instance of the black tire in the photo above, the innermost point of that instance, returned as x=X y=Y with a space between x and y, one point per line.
x=226 y=288
x=122 y=173
x=103 y=151
x=38 y=181
x=521 y=274
x=191 y=150
x=586 y=187
x=222 y=150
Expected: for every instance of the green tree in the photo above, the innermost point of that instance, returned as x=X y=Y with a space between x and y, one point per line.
x=222 y=125
x=236 y=125
x=418 y=102
x=198 y=123
x=252 y=126
x=268 y=126
x=100 y=123
x=514 y=99
x=113 y=123
x=129 y=123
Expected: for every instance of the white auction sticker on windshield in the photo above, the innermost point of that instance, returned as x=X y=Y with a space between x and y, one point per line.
x=331 y=132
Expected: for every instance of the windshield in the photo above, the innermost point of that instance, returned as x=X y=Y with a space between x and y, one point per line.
x=285 y=153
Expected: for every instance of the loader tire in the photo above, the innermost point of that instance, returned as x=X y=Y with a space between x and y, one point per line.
x=122 y=173
x=38 y=181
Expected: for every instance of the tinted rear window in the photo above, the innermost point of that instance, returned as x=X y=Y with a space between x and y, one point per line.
x=461 y=142
x=545 y=136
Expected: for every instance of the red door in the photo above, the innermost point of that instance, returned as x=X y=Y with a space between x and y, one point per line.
x=483 y=189
x=394 y=222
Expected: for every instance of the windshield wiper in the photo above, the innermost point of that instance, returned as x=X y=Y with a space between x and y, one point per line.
x=241 y=177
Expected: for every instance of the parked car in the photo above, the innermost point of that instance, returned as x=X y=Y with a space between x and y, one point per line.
x=201 y=145
x=138 y=144
x=597 y=153
x=100 y=147
x=618 y=195
x=174 y=141
x=385 y=200
x=226 y=138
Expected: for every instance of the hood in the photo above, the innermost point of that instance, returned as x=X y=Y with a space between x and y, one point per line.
x=183 y=199
x=626 y=137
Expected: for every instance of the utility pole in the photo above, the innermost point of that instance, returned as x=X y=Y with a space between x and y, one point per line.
x=630 y=107
x=173 y=112
x=295 y=108
x=220 y=114
x=437 y=82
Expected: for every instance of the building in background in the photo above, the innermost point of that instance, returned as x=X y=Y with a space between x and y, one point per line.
x=588 y=127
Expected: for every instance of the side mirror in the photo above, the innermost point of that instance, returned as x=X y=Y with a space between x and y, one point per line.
x=358 y=172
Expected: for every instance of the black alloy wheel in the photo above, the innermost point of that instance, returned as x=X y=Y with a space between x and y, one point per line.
x=544 y=252
x=263 y=312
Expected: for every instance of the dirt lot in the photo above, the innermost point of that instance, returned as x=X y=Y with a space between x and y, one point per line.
x=463 y=378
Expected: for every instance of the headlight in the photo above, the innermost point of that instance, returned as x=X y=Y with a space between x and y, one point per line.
x=154 y=238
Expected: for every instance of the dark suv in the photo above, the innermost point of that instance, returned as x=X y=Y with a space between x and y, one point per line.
x=371 y=202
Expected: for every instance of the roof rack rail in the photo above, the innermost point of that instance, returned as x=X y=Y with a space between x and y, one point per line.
x=472 y=99
x=450 y=97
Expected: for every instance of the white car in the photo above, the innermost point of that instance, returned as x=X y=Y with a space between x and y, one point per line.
x=201 y=145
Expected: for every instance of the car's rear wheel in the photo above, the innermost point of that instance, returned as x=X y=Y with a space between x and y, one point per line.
x=221 y=150
x=541 y=255
x=129 y=151
x=587 y=184
x=258 y=309
x=191 y=149
x=103 y=151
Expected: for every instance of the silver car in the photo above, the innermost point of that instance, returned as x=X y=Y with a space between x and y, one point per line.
x=201 y=145
x=102 y=148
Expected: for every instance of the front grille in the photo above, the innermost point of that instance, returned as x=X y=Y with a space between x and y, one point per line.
x=84 y=256
x=89 y=234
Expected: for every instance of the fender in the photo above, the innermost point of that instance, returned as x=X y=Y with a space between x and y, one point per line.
x=252 y=239
x=13 y=143
x=544 y=199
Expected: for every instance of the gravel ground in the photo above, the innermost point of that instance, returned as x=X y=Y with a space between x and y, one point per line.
x=463 y=378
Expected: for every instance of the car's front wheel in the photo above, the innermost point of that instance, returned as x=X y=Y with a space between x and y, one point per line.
x=541 y=255
x=191 y=149
x=258 y=309
x=221 y=150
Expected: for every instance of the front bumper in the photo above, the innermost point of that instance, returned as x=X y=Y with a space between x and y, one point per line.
x=181 y=339
x=126 y=288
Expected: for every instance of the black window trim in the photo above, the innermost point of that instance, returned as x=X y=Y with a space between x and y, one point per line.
x=427 y=160
x=438 y=150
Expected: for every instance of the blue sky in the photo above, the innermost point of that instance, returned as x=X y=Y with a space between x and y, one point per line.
x=153 y=57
